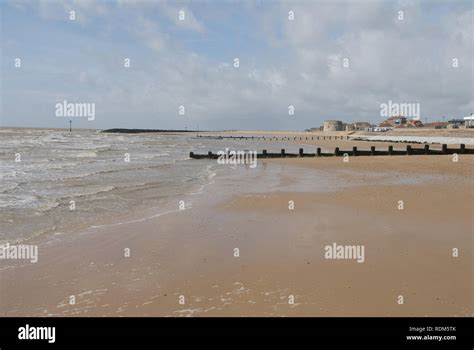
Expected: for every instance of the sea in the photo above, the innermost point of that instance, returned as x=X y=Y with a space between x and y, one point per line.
x=54 y=181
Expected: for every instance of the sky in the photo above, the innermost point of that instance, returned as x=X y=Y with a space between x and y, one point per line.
x=330 y=60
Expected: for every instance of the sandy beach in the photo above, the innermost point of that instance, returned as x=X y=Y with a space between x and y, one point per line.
x=185 y=262
x=237 y=168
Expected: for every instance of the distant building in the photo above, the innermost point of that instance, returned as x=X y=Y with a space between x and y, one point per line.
x=469 y=121
x=393 y=122
x=401 y=122
x=332 y=125
x=411 y=123
x=364 y=126
x=357 y=126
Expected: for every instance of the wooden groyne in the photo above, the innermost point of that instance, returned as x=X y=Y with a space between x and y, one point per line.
x=308 y=138
x=275 y=138
x=354 y=152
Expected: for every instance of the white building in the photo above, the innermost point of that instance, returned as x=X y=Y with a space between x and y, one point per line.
x=469 y=121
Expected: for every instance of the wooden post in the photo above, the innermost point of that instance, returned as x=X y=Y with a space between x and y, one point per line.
x=209 y=154
x=390 y=150
x=372 y=150
x=409 y=150
x=301 y=152
x=444 y=148
x=318 y=137
x=283 y=153
x=318 y=152
x=336 y=151
x=462 y=148
x=324 y=137
x=427 y=149
x=191 y=154
x=329 y=137
x=354 y=151
x=264 y=153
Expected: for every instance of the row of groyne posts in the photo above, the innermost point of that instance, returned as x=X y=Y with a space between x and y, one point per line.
x=354 y=152
x=275 y=138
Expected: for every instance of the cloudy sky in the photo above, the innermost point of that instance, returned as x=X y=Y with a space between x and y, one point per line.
x=190 y=62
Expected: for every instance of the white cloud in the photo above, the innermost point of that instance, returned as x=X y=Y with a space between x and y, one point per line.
x=405 y=61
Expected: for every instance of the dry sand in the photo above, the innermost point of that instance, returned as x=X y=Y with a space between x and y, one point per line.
x=351 y=139
x=191 y=253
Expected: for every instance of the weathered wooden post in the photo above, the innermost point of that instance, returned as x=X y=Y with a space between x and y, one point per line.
x=301 y=152
x=390 y=150
x=283 y=153
x=324 y=137
x=317 y=137
x=427 y=149
x=354 y=151
x=318 y=152
x=336 y=151
x=329 y=137
x=462 y=148
x=409 y=150
x=372 y=150
x=264 y=152
x=444 y=148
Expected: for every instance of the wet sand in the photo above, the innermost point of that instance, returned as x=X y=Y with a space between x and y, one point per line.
x=190 y=253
